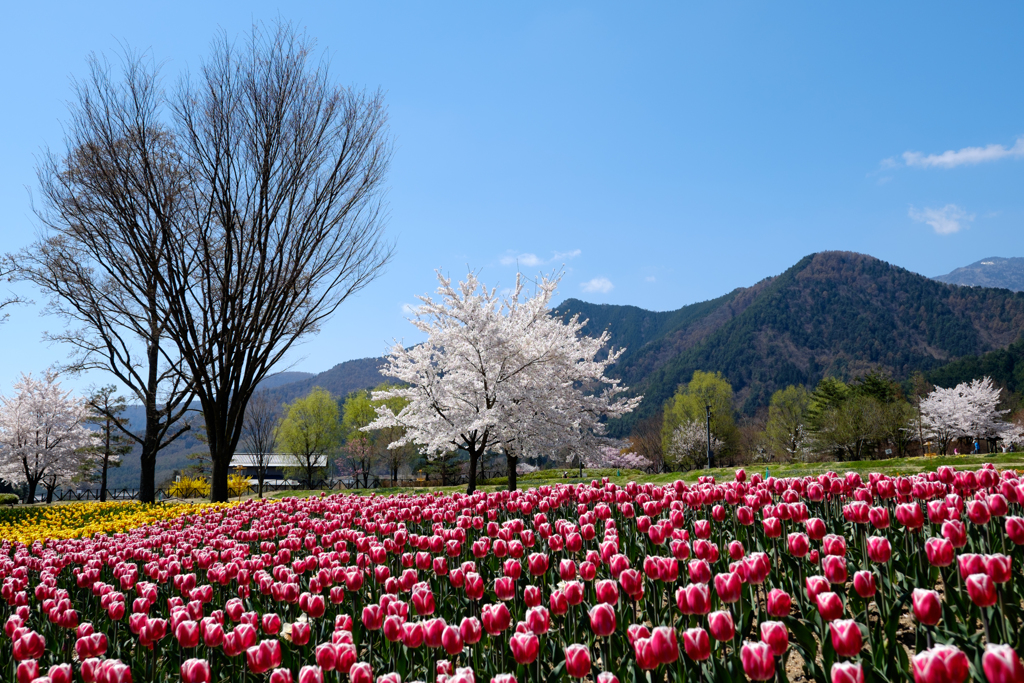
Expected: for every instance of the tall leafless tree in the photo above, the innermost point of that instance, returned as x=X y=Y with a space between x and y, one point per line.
x=109 y=203
x=259 y=434
x=287 y=173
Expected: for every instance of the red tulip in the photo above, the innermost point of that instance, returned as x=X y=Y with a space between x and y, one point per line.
x=864 y=584
x=779 y=603
x=300 y=633
x=187 y=634
x=815 y=528
x=910 y=515
x=412 y=634
x=1002 y=664
x=281 y=676
x=607 y=677
x=981 y=590
x=602 y=619
x=721 y=626
x=940 y=664
x=607 y=591
x=696 y=644
x=311 y=674
x=433 y=630
x=698 y=598
x=30 y=645
x=728 y=587
x=538 y=563
x=834 y=545
x=566 y=570
x=504 y=588
x=970 y=563
x=927 y=607
x=879 y=549
x=799 y=544
x=999 y=568
x=699 y=571
x=834 y=567
x=559 y=603
x=772 y=527
x=758 y=661
x=978 y=512
x=360 y=673
x=263 y=657
x=573 y=591
x=757 y=567
x=500 y=678
x=846 y=637
x=373 y=617
x=451 y=640
x=577 y=661
x=474 y=586
x=525 y=647
x=632 y=583
x=847 y=672
x=954 y=531
x=28 y=671
x=326 y=656
x=1015 y=529
x=829 y=606
x=664 y=644
x=775 y=634
x=495 y=618
x=939 y=551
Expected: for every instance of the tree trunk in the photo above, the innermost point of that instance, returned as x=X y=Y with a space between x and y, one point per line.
x=147 y=487
x=512 y=462
x=49 y=493
x=221 y=465
x=103 y=478
x=260 y=475
x=31 y=498
x=474 y=455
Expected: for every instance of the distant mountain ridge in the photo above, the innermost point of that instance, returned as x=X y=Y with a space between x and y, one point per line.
x=833 y=313
x=995 y=271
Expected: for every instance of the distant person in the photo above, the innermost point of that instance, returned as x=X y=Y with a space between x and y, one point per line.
x=956 y=451
x=975 y=447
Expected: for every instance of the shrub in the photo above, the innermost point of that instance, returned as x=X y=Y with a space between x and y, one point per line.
x=238 y=485
x=9 y=499
x=189 y=487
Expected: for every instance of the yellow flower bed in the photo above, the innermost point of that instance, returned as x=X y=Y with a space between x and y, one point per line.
x=78 y=520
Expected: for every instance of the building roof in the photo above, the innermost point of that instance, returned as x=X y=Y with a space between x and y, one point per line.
x=276 y=460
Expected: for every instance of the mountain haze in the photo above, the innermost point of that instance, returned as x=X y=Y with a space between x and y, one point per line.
x=994 y=271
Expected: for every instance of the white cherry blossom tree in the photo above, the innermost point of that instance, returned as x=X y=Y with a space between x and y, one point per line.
x=42 y=434
x=970 y=409
x=499 y=372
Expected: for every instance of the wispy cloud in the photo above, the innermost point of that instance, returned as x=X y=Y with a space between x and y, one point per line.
x=408 y=309
x=532 y=260
x=598 y=284
x=945 y=221
x=650 y=278
x=968 y=156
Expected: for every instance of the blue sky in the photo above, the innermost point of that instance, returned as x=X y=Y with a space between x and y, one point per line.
x=664 y=153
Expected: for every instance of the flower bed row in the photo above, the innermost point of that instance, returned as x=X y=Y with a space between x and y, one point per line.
x=884 y=579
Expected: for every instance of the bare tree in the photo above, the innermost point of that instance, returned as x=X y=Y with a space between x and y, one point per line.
x=6 y=269
x=259 y=434
x=108 y=206
x=287 y=220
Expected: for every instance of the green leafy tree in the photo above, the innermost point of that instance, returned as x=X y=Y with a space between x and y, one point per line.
x=105 y=412
x=310 y=431
x=785 y=430
x=690 y=403
x=366 y=448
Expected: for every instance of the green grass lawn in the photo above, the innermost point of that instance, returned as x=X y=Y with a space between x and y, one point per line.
x=892 y=467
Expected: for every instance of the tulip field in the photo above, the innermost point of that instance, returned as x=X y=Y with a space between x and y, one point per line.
x=824 y=578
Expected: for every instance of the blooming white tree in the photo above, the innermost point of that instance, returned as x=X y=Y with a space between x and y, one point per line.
x=42 y=434
x=609 y=457
x=689 y=445
x=500 y=373
x=970 y=409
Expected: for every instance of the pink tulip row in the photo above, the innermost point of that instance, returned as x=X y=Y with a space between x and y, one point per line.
x=706 y=579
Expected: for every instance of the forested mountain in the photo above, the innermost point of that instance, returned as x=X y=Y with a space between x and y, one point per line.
x=833 y=313
x=341 y=380
x=995 y=271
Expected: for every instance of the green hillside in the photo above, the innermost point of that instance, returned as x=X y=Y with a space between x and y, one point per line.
x=833 y=313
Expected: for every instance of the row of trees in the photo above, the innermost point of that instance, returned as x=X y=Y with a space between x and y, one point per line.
x=191 y=237
x=872 y=416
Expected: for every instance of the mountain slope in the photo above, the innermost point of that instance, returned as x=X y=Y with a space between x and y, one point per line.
x=341 y=380
x=833 y=313
x=1007 y=273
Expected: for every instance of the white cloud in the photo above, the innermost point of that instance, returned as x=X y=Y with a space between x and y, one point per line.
x=650 y=278
x=532 y=260
x=408 y=309
x=598 y=284
x=968 y=156
x=945 y=221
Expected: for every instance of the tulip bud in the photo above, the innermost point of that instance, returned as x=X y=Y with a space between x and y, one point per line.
x=577 y=661
x=847 y=672
x=864 y=584
x=775 y=634
x=696 y=644
x=927 y=607
x=981 y=590
x=758 y=661
x=1002 y=664
x=846 y=637
x=779 y=603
